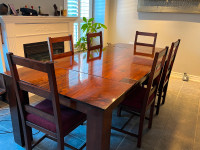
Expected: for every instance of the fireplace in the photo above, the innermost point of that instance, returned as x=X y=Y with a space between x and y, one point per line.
x=39 y=51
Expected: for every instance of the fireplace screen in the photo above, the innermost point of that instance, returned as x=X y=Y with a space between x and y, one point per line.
x=39 y=51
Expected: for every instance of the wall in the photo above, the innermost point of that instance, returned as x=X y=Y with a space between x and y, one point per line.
x=46 y=5
x=101 y=15
x=125 y=20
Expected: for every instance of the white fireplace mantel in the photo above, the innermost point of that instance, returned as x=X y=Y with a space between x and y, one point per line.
x=19 y=30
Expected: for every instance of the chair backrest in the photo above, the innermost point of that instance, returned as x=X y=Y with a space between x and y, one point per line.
x=169 y=63
x=93 y=35
x=154 y=35
x=57 y=40
x=154 y=77
x=22 y=88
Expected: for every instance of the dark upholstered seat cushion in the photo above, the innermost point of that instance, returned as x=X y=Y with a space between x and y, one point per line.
x=135 y=98
x=70 y=117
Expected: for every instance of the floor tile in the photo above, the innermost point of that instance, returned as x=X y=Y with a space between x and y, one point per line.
x=177 y=127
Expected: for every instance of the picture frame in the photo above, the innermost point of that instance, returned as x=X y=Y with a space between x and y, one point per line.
x=169 y=6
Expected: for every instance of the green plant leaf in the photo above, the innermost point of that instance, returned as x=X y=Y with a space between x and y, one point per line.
x=102 y=25
x=91 y=19
x=84 y=19
x=84 y=27
x=93 y=30
x=95 y=25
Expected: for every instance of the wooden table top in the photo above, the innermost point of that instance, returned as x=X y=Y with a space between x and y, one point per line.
x=97 y=81
x=116 y=63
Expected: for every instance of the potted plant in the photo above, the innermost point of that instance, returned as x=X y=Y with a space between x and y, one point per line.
x=88 y=27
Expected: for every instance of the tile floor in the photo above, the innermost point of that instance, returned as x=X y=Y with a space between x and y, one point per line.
x=177 y=127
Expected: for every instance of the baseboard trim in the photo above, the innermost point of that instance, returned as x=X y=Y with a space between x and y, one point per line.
x=180 y=75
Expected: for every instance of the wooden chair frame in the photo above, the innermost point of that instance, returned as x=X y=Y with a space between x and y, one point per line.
x=145 y=44
x=152 y=87
x=162 y=91
x=60 y=39
x=92 y=35
x=22 y=88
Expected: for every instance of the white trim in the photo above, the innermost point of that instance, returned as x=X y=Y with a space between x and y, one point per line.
x=180 y=75
x=36 y=19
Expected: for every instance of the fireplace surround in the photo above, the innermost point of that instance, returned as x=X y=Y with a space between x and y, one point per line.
x=18 y=31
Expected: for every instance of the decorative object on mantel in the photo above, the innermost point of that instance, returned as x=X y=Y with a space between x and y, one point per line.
x=88 y=27
x=39 y=10
x=172 y=6
x=41 y=14
x=64 y=12
x=3 y=9
x=28 y=12
x=12 y=10
x=56 y=12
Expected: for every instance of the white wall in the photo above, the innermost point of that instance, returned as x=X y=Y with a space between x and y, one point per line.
x=124 y=20
x=46 y=5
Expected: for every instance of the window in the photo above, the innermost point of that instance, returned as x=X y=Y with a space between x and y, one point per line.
x=80 y=9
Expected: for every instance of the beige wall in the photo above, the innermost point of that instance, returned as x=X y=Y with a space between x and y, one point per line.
x=124 y=20
x=46 y=5
x=107 y=14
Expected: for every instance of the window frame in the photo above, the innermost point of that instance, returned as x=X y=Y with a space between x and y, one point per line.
x=79 y=20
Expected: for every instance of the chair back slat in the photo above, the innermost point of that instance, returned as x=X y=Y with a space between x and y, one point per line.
x=61 y=55
x=29 y=63
x=60 y=39
x=155 y=75
x=145 y=44
x=33 y=110
x=21 y=88
x=95 y=47
x=145 y=33
x=92 y=35
x=35 y=90
x=154 y=35
x=152 y=91
x=57 y=40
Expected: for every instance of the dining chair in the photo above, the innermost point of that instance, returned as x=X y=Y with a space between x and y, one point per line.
x=57 y=40
x=2 y=88
x=90 y=37
x=140 y=100
x=162 y=90
x=152 y=46
x=48 y=116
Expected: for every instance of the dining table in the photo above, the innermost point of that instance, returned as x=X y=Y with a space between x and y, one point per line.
x=92 y=82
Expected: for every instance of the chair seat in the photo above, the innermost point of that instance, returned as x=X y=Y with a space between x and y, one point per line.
x=134 y=100
x=69 y=117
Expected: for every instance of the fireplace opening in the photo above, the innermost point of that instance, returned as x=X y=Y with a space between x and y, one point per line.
x=39 y=51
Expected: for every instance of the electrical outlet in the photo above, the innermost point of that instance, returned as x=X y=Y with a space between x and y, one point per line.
x=185 y=77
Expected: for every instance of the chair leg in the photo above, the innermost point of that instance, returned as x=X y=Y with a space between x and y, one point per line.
x=142 y=117
x=61 y=143
x=28 y=137
x=158 y=102
x=165 y=93
x=119 y=109
x=151 y=115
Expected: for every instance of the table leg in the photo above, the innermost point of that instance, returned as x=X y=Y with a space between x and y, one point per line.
x=14 y=111
x=98 y=129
